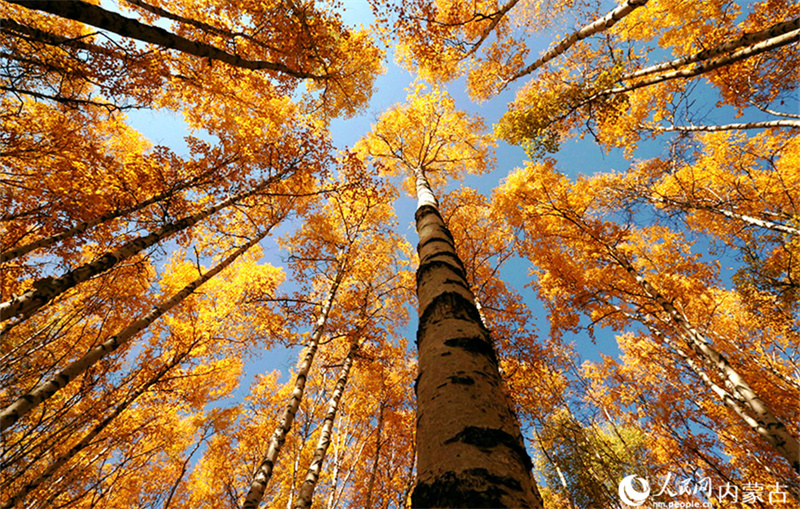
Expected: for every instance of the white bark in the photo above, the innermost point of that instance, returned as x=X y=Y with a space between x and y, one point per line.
x=470 y=449
x=306 y=493
x=755 y=221
x=600 y=25
x=16 y=252
x=87 y=440
x=730 y=127
x=425 y=195
x=745 y=40
x=769 y=426
x=264 y=471
x=705 y=65
x=24 y=404
x=46 y=289
x=98 y=17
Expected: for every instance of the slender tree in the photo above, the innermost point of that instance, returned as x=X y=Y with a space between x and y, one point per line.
x=27 y=402
x=552 y=203
x=267 y=463
x=302 y=42
x=306 y=492
x=339 y=244
x=45 y=290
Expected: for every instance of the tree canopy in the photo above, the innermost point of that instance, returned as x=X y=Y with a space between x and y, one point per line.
x=209 y=298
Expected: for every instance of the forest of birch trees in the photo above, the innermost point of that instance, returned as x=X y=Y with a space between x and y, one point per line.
x=557 y=267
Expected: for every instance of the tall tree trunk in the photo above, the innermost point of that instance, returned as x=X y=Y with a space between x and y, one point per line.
x=728 y=127
x=763 y=420
x=295 y=469
x=335 y=498
x=86 y=441
x=264 y=471
x=412 y=477
x=16 y=252
x=24 y=404
x=46 y=289
x=487 y=31
x=329 y=502
x=306 y=493
x=470 y=449
x=730 y=400
x=704 y=66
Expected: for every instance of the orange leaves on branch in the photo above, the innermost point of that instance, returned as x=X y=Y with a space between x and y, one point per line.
x=427 y=133
x=444 y=39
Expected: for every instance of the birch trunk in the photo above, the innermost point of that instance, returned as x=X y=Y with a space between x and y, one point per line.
x=46 y=289
x=96 y=16
x=729 y=127
x=295 y=468
x=755 y=221
x=24 y=404
x=306 y=493
x=745 y=40
x=705 y=65
x=16 y=252
x=264 y=471
x=600 y=25
x=329 y=503
x=766 y=422
x=86 y=441
x=470 y=451
x=729 y=400
x=496 y=18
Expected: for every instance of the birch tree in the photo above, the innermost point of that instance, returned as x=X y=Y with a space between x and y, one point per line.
x=470 y=450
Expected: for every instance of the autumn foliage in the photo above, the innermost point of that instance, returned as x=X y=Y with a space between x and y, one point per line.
x=239 y=320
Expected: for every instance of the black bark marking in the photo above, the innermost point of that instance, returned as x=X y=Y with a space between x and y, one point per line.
x=448 y=305
x=474 y=488
x=454 y=266
x=474 y=345
x=427 y=210
x=434 y=238
x=463 y=380
x=489 y=438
